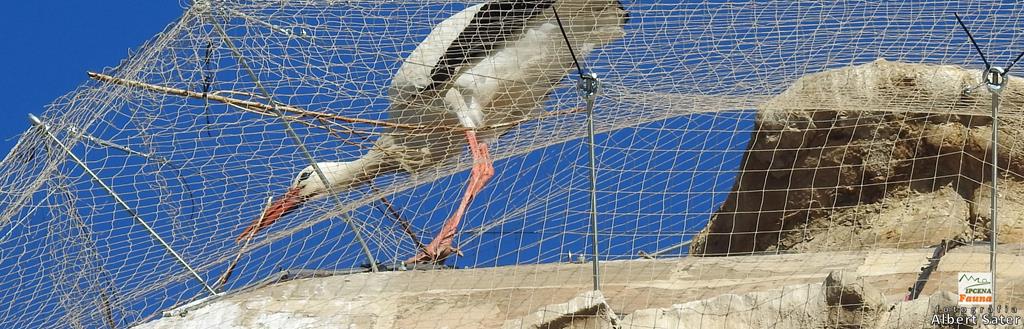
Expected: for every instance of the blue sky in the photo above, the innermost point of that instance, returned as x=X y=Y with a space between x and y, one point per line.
x=49 y=45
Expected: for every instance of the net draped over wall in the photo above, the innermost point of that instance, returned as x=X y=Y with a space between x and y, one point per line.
x=678 y=106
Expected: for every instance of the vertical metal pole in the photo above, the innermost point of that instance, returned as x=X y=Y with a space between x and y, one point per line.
x=995 y=79
x=995 y=192
x=590 y=87
x=117 y=198
x=298 y=141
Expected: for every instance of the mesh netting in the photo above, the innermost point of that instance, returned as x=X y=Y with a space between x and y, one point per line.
x=685 y=92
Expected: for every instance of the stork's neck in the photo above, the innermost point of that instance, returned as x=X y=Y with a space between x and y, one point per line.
x=352 y=174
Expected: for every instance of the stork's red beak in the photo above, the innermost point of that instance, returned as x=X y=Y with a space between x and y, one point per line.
x=284 y=204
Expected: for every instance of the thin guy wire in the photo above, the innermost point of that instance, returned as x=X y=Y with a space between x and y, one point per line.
x=971 y=37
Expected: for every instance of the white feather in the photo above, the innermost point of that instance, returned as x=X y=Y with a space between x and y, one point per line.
x=511 y=83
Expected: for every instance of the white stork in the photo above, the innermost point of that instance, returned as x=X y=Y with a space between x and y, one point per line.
x=492 y=64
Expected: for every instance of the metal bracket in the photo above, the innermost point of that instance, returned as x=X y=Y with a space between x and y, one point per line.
x=590 y=86
x=995 y=79
x=658 y=253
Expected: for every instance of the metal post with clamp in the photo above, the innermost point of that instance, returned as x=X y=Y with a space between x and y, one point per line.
x=995 y=79
x=589 y=87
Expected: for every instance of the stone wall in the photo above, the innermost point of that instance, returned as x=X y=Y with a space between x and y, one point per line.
x=780 y=291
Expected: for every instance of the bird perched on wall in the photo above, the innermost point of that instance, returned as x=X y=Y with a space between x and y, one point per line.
x=475 y=76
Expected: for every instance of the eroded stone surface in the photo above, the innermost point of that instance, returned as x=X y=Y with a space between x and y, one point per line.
x=867 y=156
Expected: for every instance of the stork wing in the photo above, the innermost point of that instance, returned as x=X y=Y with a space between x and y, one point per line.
x=492 y=25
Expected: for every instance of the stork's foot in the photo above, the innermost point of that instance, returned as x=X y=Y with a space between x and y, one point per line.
x=434 y=254
x=441 y=247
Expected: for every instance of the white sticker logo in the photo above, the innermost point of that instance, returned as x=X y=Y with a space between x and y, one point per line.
x=975 y=288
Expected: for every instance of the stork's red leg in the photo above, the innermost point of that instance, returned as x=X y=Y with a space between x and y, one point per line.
x=441 y=247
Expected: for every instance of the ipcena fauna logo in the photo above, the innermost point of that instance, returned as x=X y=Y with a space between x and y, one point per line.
x=975 y=288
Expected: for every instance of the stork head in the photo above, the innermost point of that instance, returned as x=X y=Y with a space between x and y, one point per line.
x=306 y=186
